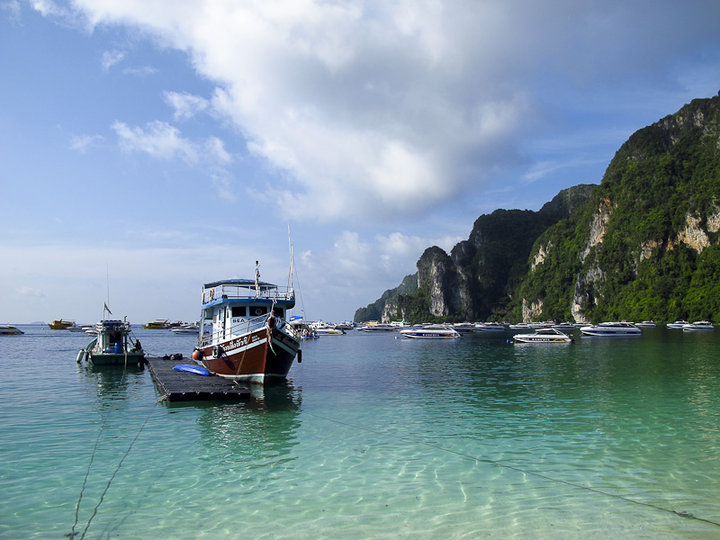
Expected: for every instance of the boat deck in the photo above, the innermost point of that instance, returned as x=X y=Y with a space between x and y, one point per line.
x=183 y=386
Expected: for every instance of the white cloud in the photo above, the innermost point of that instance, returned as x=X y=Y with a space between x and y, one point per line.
x=158 y=139
x=164 y=141
x=141 y=71
x=12 y=9
x=185 y=105
x=82 y=143
x=48 y=7
x=368 y=109
x=110 y=58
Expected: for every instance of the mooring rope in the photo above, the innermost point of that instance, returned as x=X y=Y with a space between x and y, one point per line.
x=511 y=467
x=107 y=487
x=87 y=474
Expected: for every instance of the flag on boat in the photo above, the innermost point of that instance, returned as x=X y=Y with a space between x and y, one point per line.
x=107 y=308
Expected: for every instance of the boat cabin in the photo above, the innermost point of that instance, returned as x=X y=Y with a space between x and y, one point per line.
x=112 y=336
x=236 y=306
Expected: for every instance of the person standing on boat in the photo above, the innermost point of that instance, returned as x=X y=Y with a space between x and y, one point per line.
x=271 y=321
x=270 y=325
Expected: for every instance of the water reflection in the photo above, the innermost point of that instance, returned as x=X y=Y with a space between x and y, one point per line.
x=113 y=383
x=251 y=432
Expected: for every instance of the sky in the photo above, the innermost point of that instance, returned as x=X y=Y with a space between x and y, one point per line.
x=150 y=146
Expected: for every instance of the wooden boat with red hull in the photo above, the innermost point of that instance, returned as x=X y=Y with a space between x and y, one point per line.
x=243 y=331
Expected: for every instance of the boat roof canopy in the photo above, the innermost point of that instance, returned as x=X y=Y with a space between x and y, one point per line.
x=249 y=283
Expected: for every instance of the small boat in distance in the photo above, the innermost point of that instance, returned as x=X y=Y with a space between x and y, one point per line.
x=7 y=330
x=61 y=324
x=698 y=326
x=464 y=327
x=248 y=339
x=564 y=326
x=433 y=331
x=489 y=327
x=611 y=329
x=186 y=328
x=543 y=335
x=324 y=329
x=112 y=346
x=646 y=324
x=157 y=324
x=378 y=327
x=677 y=325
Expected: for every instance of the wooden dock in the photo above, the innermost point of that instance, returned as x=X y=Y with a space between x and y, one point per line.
x=182 y=386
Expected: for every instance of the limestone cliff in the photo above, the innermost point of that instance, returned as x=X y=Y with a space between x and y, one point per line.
x=644 y=244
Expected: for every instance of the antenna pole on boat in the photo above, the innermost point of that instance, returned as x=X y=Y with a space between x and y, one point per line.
x=292 y=261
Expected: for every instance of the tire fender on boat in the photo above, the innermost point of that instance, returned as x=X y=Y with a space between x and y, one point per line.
x=197 y=355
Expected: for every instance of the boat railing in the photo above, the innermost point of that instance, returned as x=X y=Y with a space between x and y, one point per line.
x=245 y=327
x=239 y=292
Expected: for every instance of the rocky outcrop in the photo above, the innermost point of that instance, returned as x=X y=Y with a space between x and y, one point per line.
x=598 y=227
x=436 y=272
x=693 y=235
x=474 y=281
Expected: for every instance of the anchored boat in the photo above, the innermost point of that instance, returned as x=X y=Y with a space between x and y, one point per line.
x=698 y=326
x=7 y=330
x=436 y=331
x=61 y=324
x=247 y=337
x=112 y=346
x=543 y=335
x=611 y=329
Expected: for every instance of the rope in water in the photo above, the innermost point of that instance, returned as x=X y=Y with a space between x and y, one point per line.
x=107 y=487
x=87 y=473
x=72 y=532
x=520 y=470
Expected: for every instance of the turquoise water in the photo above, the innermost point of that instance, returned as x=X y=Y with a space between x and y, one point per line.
x=372 y=437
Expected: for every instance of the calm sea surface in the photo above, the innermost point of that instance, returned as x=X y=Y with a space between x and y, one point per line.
x=372 y=437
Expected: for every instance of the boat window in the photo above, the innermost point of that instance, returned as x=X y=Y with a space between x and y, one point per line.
x=279 y=312
x=239 y=311
x=256 y=311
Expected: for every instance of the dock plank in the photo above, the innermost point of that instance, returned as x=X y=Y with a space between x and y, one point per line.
x=182 y=386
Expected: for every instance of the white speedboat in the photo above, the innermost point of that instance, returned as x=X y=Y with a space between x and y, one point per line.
x=7 y=330
x=611 y=329
x=646 y=324
x=677 y=325
x=464 y=327
x=520 y=326
x=698 y=326
x=436 y=331
x=543 y=335
x=378 y=327
x=187 y=328
x=489 y=327
x=564 y=326
x=327 y=330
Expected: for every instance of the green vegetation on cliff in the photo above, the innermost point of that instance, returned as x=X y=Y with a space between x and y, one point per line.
x=645 y=244
x=655 y=220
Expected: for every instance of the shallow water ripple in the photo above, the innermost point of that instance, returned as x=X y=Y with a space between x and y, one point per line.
x=373 y=437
